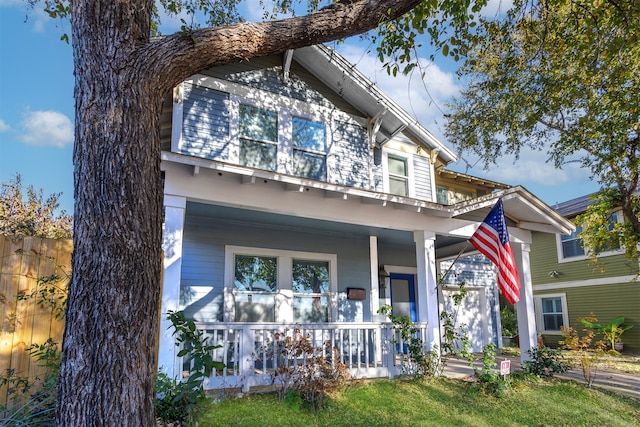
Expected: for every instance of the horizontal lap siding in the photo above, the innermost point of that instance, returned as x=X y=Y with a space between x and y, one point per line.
x=606 y=302
x=202 y=279
x=205 y=131
x=544 y=259
x=351 y=152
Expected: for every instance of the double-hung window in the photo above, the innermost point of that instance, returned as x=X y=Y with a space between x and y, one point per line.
x=309 y=149
x=551 y=312
x=254 y=287
x=258 y=129
x=571 y=246
x=272 y=285
x=310 y=291
x=398 y=175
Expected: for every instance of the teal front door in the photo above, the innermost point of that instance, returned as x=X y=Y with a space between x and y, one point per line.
x=403 y=295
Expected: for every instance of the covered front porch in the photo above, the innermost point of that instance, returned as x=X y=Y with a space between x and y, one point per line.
x=373 y=248
x=252 y=352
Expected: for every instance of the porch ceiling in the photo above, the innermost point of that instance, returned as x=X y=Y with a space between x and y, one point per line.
x=289 y=222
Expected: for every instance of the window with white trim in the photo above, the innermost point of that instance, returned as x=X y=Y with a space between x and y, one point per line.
x=397 y=168
x=398 y=175
x=551 y=312
x=310 y=291
x=258 y=129
x=268 y=285
x=571 y=246
x=309 y=149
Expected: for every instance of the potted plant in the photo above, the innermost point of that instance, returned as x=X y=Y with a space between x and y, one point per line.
x=611 y=332
x=509 y=324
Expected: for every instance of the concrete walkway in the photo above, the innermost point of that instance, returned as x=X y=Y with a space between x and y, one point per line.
x=623 y=383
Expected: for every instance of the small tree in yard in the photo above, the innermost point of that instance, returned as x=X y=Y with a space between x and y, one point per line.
x=122 y=77
x=31 y=214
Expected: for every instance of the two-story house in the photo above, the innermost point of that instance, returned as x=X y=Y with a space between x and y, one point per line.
x=298 y=193
x=567 y=285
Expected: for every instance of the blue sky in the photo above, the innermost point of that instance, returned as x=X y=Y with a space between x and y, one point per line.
x=36 y=110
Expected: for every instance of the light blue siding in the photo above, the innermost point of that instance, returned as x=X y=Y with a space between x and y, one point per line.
x=202 y=280
x=205 y=127
x=351 y=152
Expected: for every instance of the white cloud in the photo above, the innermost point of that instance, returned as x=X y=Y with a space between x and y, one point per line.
x=530 y=169
x=46 y=128
x=4 y=127
x=422 y=98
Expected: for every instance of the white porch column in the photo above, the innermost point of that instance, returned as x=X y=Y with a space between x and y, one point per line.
x=427 y=286
x=524 y=308
x=174 y=208
x=374 y=295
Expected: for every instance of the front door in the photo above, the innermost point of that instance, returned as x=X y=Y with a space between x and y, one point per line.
x=403 y=295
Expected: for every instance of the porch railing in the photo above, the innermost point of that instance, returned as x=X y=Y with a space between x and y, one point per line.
x=369 y=350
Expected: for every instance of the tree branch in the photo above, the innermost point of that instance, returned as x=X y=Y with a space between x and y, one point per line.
x=176 y=57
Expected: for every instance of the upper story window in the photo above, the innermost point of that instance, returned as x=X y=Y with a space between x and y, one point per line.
x=571 y=246
x=258 y=128
x=442 y=195
x=398 y=175
x=309 y=149
x=447 y=196
x=397 y=168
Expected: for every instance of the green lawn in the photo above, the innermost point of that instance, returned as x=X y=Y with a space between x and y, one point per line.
x=441 y=402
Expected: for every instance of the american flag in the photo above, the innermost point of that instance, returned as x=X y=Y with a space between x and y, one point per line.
x=492 y=239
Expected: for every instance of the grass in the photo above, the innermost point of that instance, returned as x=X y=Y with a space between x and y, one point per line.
x=437 y=402
x=625 y=362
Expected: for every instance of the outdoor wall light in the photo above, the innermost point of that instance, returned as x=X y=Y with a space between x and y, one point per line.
x=553 y=273
x=382 y=276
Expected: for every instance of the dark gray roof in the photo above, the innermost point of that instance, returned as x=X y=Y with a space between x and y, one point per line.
x=573 y=207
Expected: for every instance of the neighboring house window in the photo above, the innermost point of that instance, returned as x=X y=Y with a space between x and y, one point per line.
x=572 y=244
x=310 y=291
x=258 y=137
x=309 y=149
x=398 y=175
x=269 y=285
x=442 y=194
x=254 y=288
x=551 y=312
x=570 y=247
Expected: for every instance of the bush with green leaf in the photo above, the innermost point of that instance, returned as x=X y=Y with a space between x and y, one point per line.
x=181 y=401
x=545 y=362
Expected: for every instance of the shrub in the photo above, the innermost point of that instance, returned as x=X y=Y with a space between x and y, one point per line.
x=180 y=401
x=489 y=379
x=545 y=362
x=589 y=352
x=304 y=372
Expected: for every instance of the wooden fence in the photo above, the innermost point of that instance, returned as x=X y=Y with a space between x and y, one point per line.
x=29 y=265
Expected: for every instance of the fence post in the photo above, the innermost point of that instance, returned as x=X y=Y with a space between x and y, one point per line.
x=247 y=344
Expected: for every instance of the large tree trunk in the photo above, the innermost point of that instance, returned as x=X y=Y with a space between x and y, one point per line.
x=108 y=356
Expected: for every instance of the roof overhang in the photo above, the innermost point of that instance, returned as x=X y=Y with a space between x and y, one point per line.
x=337 y=73
x=520 y=206
x=525 y=210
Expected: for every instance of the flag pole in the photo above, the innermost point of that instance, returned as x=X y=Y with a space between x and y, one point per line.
x=464 y=248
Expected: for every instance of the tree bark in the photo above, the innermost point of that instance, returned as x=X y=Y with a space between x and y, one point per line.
x=108 y=357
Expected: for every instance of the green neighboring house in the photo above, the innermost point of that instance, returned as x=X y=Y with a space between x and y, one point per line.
x=567 y=285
